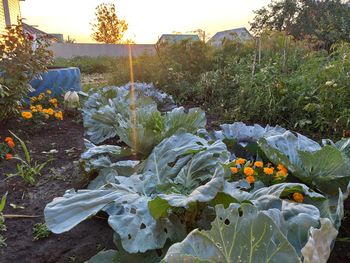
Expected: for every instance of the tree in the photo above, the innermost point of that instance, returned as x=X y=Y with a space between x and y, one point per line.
x=107 y=27
x=328 y=20
x=70 y=40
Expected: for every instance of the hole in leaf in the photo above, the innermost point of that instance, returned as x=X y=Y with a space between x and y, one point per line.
x=159 y=252
x=227 y=222
x=133 y=210
x=142 y=226
x=240 y=212
x=216 y=155
x=166 y=231
x=129 y=237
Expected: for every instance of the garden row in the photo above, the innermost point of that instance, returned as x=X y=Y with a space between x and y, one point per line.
x=174 y=191
x=279 y=81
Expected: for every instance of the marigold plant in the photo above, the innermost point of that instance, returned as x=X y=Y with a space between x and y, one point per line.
x=43 y=108
x=7 y=148
x=252 y=171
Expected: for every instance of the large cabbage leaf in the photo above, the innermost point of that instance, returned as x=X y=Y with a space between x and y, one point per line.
x=238 y=234
x=326 y=169
x=318 y=247
x=184 y=165
x=99 y=131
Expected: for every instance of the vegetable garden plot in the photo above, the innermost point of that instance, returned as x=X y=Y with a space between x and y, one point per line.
x=244 y=193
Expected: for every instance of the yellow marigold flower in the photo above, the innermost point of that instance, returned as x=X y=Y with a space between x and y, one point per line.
x=40 y=97
x=48 y=91
x=250 y=179
x=268 y=170
x=280 y=174
x=39 y=107
x=32 y=107
x=282 y=169
x=234 y=170
x=50 y=111
x=298 y=197
x=240 y=161
x=53 y=101
x=27 y=115
x=248 y=171
x=46 y=111
x=259 y=164
x=59 y=115
x=34 y=110
x=55 y=105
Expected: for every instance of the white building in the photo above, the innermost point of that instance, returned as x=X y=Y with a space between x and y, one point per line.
x=241 y=34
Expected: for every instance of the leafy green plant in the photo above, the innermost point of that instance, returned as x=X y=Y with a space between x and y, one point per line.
x=40 y=231
x=20 y=63
x=2 y=219
x=27 y=169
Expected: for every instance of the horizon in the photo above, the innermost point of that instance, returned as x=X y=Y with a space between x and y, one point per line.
x=144 y=21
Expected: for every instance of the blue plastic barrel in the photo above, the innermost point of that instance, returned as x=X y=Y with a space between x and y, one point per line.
x=58 y=80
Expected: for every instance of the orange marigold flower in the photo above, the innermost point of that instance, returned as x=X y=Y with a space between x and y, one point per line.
x=7 y=139
x=280 y=175
x=53 y=101
x=298 y=197
x=250 y=179
x=50 y=111
x=268 y=170
x=248 y=171
x=39 y=107
x=240 y=161
x=8 y=156
x=11 y=144
x=234 y=170
x=59 y=115
x=27 y=115
x=259 y=164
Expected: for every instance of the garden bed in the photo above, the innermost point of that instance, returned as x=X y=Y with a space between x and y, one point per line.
x=60 y=174
x=90 y=236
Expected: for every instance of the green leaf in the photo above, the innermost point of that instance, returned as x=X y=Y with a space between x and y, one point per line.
x=3 y=202
x=158 y=208
x=250 y=237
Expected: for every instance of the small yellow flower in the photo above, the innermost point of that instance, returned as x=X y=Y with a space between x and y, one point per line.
x=250 y=179
x=48 y=91
x=32 y=107
x=40 y=97
x=59 y=115
x=298 y=197
x=55 y=105
x=240 y=161
x=282 y=169
x=248 y=171
x=234 y=170
x=259 y=164
x=27 y=115
x=268 y=170
x=280 y=175
x=46 y=111
x=53 y=101
x=39 y=107
x=50 y=111
x=34 y=110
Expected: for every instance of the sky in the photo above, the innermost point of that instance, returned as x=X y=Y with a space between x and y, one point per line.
x=147 y=19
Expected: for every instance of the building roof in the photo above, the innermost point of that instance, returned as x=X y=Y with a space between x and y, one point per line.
x=232 y=34
x=34 y=31
x=174 y=38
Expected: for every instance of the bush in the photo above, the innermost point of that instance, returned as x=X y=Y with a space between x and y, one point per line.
x=20 y=63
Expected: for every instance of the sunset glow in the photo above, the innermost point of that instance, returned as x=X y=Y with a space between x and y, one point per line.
x=147 y=19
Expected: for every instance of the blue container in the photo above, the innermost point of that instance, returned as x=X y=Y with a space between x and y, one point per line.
x=58 y=80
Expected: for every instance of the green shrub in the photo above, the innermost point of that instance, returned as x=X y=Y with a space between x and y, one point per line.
x=20 y=63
